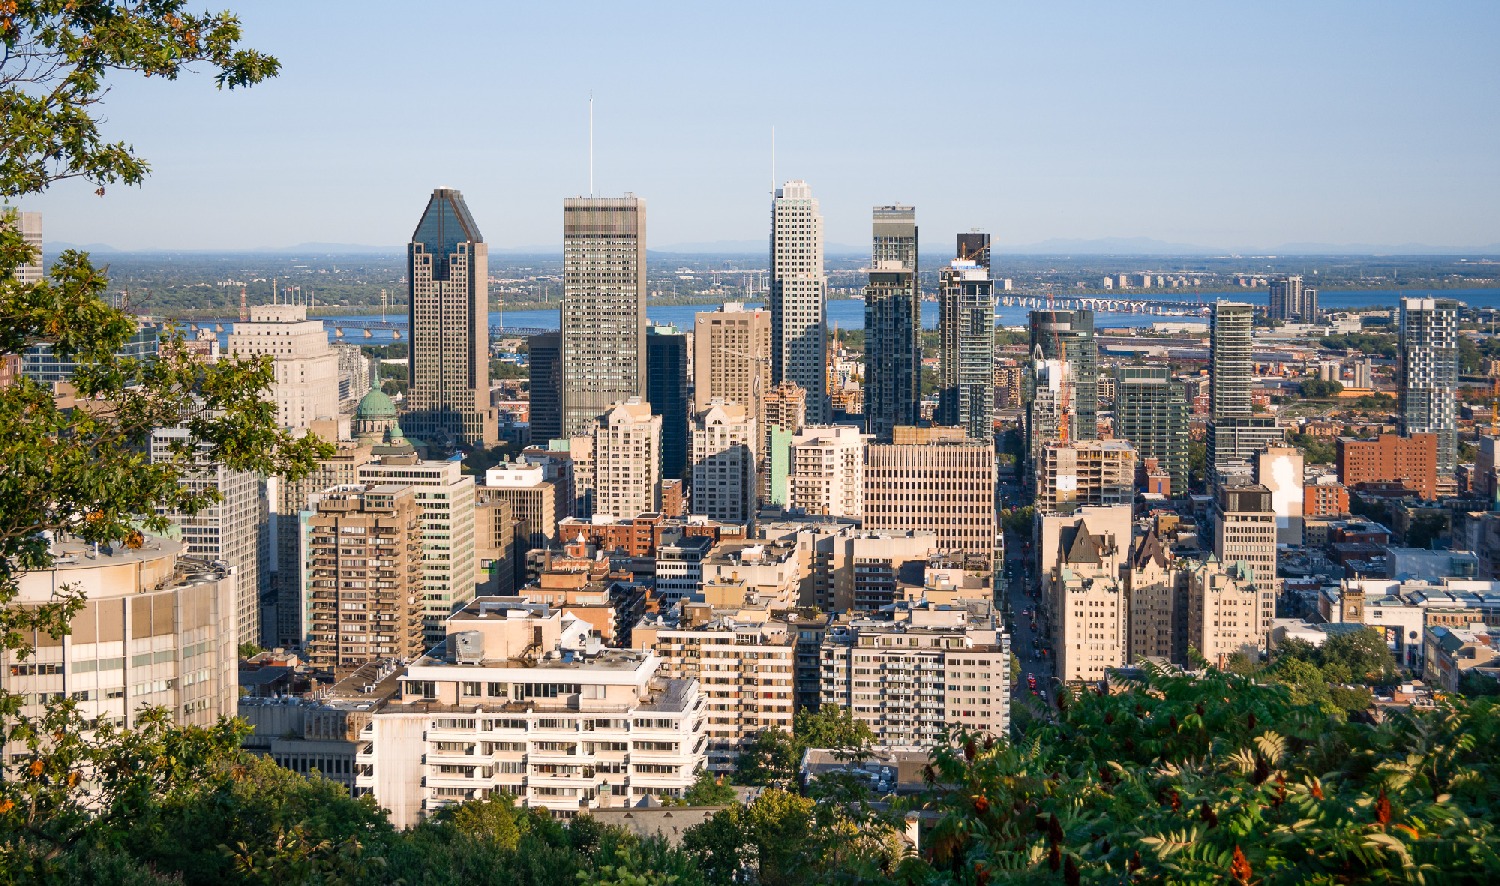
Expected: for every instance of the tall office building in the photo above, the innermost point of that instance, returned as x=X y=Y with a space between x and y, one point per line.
x=966 y=330
x=798 y=297
x=604 y=307
x=1235 y=432
x=306 y=385
x=1292 y=301
x=447 y=266
x=942 y=486
x=725 y=441
x=364 y=597
x=667 y=392
x=1069 y=335
x=1427 y=376
x=446 y=497
x=42 y=364
x=1151 y=411
x=627 y=460
x=893 y=324
x=30 y=224
x=732 y=357
x=232 y=530
x=1245 y=532
x=544 y=361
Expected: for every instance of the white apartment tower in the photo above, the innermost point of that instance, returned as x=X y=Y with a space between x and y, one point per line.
x=446 y=498
x=604 y=307
x=306 y=388
x=828 y=472
x=725 y=439
x=627 y=460
x=799 y=330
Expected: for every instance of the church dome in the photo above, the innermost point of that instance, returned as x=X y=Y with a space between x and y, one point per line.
x=375 y=406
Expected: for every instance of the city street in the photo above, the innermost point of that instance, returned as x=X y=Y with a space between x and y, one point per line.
x=1024 y=639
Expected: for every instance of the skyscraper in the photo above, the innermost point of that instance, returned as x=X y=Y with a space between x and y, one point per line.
x=1235 y=432
x=447 y=264
x=1151 y=411
x=667 y=392
x=627 y=460
x=732 y=357
x=1071 y=333
x=306 y=386
x=893 y=324
x=544 y=360
x=1427 y=376
x=799 y=331
x=604 y=307
x=966 y=330
x=1290 y=300
x=31 y=231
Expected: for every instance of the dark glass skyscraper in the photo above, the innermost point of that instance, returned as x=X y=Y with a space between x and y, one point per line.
x=544 y=359
x=966 y=332
x=667 y=389
x=1151 y=411
x=893 y=324
x=1056 y=332
x=447 y=266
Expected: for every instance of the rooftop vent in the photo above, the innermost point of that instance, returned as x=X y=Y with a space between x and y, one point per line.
x=468 y=647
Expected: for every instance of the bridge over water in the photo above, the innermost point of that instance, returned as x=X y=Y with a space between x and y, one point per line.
x=397 y=329
x=1109 y=304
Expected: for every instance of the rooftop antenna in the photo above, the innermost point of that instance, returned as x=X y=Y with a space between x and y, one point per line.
x=773 y=161
x=273 y=291
x=591 y=144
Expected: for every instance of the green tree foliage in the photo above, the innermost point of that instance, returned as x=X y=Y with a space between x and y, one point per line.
x=832 y=727
x=1375 y=344
x=1019 y=521
x=710 y=790
x=773 y=757
x=1315 y=450
x=1197 y=464
x=1318 y=389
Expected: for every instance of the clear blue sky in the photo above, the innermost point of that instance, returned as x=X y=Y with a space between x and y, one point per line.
x=1240 y=125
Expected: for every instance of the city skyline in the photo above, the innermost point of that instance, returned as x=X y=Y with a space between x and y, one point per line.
x=1188 y=161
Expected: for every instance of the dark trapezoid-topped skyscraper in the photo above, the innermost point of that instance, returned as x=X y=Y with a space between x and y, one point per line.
x=447 y=266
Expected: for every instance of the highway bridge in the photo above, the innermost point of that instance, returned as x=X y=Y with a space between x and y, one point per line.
x=1171 y=307
x=396 y=328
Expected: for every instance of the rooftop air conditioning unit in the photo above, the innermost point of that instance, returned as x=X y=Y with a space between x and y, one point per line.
x=468 y=647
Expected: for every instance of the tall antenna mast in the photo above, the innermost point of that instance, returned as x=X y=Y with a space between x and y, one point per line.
x=773 y=161
x=591 y=144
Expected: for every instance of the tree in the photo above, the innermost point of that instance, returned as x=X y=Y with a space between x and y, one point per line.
x=773 y=757
x=1315 y=450
x=710 y=790
x=832 y=727
x=1319 y=389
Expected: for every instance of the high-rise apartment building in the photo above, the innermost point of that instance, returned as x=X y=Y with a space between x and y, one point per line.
x=30 y=224
x=1069 y=335
x=725 y=441
x=447 y=269
x=357 y=373
x=1051 y=414
x=945 y=487
x=446 y=497
x=306 y=384
x=1230 y=609
x=1235 y=431
x=828 y=471
x=1244 y=524
x=1086 y=473
x=544 y=364
x=1427 y=376
x=893 y=324
x=364 y=587
x=233 y=529
x=1292 y=301
x=627 y=460
x=158 y=630
x=966 y=332
x=798 y=297
x=911 y=679
x=744 y=671
x=604 y=307
x=667 y=392
x=1151 y=411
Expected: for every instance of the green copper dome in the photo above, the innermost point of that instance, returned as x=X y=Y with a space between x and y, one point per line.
x=375 y=406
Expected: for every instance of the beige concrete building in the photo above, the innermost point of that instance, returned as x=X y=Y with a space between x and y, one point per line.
x=627 y=460
x=725 y=440
x=306 y=385
x=945 y=488
x=31 y=231
x=446 y=497
x=1228 y=611
x=364 y=588
x=1087 y=603
x=288 y=501
x=447 y=263
x=1158 y=604
x=604 y=307
x=732 y=358
x=874 y=564
x=912 y=678
x=744 y=671
x=499 y=543
x=536 y=503
x=828 y=472
x=1084 y=473
x=1245 y=531
x=766 y=574
x=517 y=700
x=798 y=297
x=157 y=629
